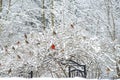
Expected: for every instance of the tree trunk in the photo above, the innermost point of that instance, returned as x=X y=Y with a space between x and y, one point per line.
x=43 y=14
x=0 y=5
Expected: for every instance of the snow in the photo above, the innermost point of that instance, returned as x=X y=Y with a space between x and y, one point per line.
x=76 y=78
x=14 y=78
x=89 y=41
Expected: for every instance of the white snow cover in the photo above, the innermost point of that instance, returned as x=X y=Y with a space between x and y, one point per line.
x=76 y=78
x=43 y=79
x=87 y=31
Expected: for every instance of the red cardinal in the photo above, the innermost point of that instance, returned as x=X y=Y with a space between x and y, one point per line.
x=52 y=46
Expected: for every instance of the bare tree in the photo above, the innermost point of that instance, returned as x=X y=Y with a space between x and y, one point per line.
x=111 y=21
x=52 y=14
x=0 y=5
x=43 y=13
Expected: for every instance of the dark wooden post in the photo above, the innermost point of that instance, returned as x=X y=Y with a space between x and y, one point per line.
x=31 y=74
x=85 y=72
x=69 y=71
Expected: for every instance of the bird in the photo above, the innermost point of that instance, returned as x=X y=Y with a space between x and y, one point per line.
x=6 y=46
x=38 y=43
x=6 y=50
x=52 y=46
x=9 y=71
x=25 y=36
x=72 y=26
x=18 y=57
x=18 y=42
x=108 y=70
x=54 y=33
x=26 y=41
x=62 y=50
x=13 y=48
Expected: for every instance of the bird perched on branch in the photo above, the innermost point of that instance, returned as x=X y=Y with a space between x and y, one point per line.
x=18 y=43
x=26 y=41
x=25 y=36
x=13 y=48
x=54 y=33
x=52 y=46
x=9 y=71
x=72 y=26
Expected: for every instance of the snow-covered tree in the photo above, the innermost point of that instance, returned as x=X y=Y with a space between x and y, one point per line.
x=37 y=34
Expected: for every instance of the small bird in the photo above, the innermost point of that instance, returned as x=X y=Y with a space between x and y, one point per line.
x=18 y=57
x=38 y=43
x=25 y=36
x=6 y=46
x=54 y=33
x=108 y=70
x=62 y=50
x=6 y=50
x=26 y=41
x=9 y=71
x=52 y=46
x=13 y=48
x=72 y=26
x=18 y=42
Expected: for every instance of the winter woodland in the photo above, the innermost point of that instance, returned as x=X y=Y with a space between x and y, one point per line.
x=37 y=34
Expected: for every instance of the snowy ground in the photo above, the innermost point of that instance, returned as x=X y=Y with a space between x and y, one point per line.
x=52 y=79
x=43 y=79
